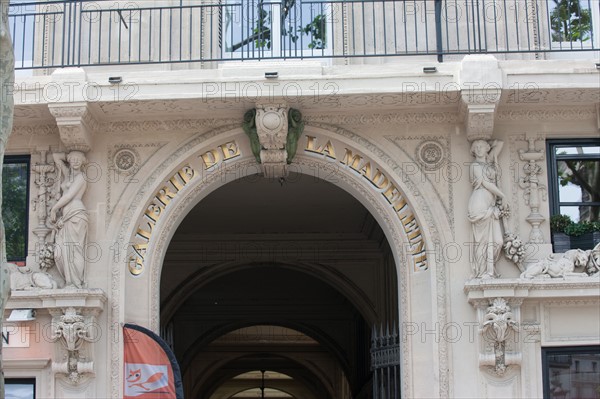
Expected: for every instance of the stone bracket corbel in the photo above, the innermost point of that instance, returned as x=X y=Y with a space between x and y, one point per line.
x=481 y=88
x=499 y=326
x=75 y=124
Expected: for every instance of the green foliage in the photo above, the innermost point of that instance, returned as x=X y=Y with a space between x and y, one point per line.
x=559 y=223
x=570 y=21
x=262 y=31
x=564 y=224
x=316 y=30
x=14 y=209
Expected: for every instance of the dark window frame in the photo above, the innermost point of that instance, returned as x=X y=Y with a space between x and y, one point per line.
x=21 y=381
x=26 y=159
x=561 y=350
x=552 y=159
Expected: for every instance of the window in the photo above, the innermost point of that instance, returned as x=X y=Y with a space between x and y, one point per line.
x=19 y=388
x=274 y=29
x=574 y=178
x=15 y=210
x=563 y=379
x=571 y=20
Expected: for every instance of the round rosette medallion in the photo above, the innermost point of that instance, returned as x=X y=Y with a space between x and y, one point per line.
x=431 y=155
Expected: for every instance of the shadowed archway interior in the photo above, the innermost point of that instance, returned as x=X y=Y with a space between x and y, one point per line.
x=282 y=280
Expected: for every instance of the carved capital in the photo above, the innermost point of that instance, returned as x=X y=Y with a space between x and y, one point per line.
x=75 y=125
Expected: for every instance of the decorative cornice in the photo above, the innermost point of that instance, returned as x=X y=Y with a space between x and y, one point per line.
x=35 y=130
x=561 y=114
x=387 y=118
x=478 y=289
x=90 y=299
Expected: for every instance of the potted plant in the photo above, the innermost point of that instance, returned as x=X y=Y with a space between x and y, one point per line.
x=567 y=234
x=561 y=242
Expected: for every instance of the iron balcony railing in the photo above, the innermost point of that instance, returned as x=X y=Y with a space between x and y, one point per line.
x=50 y=34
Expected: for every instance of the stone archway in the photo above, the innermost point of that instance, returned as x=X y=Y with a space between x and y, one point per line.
x=349 y=178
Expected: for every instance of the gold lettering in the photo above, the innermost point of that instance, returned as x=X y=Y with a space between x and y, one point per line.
x=400 y=204
x=164 y=195
x=412 y=230
x=328 y=150
x=210 y=158
x=379 y=180
x=136 y=265
x=310 y=144
x=230 y=150
x=140 y=250
x=153 y=212
x=186 y=173
x=366 y=170
x=173 y=180
x=391 y=194
x=352 y=160
x=145 y=234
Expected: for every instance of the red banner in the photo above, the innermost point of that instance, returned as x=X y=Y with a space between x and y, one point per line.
x=151 y=370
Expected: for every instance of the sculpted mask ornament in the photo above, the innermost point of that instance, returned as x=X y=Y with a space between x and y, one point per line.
x=70 y=220
x=72 y=331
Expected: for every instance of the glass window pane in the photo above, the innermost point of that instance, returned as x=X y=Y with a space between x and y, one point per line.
x=581 y=213
x=14 y=209
x=577 y=150
x=579 y=181
x=19 y=388
x=570 y=20
x=573 y=375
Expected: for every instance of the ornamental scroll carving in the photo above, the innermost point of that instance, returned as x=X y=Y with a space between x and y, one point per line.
x=73 y=331
x=535 y=192
x=499 y=326
x=274 y=131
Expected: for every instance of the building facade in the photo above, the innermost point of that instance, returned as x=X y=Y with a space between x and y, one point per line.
x=346 y=222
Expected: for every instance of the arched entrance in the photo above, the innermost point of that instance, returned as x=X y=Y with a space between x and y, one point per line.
x=356 y=166
x=303 y=265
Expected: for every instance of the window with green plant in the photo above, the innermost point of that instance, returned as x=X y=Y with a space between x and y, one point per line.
x=574 y=174
x=571 y=20
x=276 y=29
x=15 y=199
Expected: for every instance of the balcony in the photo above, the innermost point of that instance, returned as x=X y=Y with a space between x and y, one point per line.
x=54 y=34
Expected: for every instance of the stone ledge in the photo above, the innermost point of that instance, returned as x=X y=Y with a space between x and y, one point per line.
x=582 y=287
x=29 y=364
x=92 y=299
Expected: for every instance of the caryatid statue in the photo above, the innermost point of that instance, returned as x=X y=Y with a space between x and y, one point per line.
x=70 y=219
x=484 y=209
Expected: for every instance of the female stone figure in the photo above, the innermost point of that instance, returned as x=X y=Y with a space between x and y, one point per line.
x=71 y=227
x=484 y=207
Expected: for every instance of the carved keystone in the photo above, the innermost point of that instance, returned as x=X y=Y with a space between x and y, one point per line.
x=274 y=130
